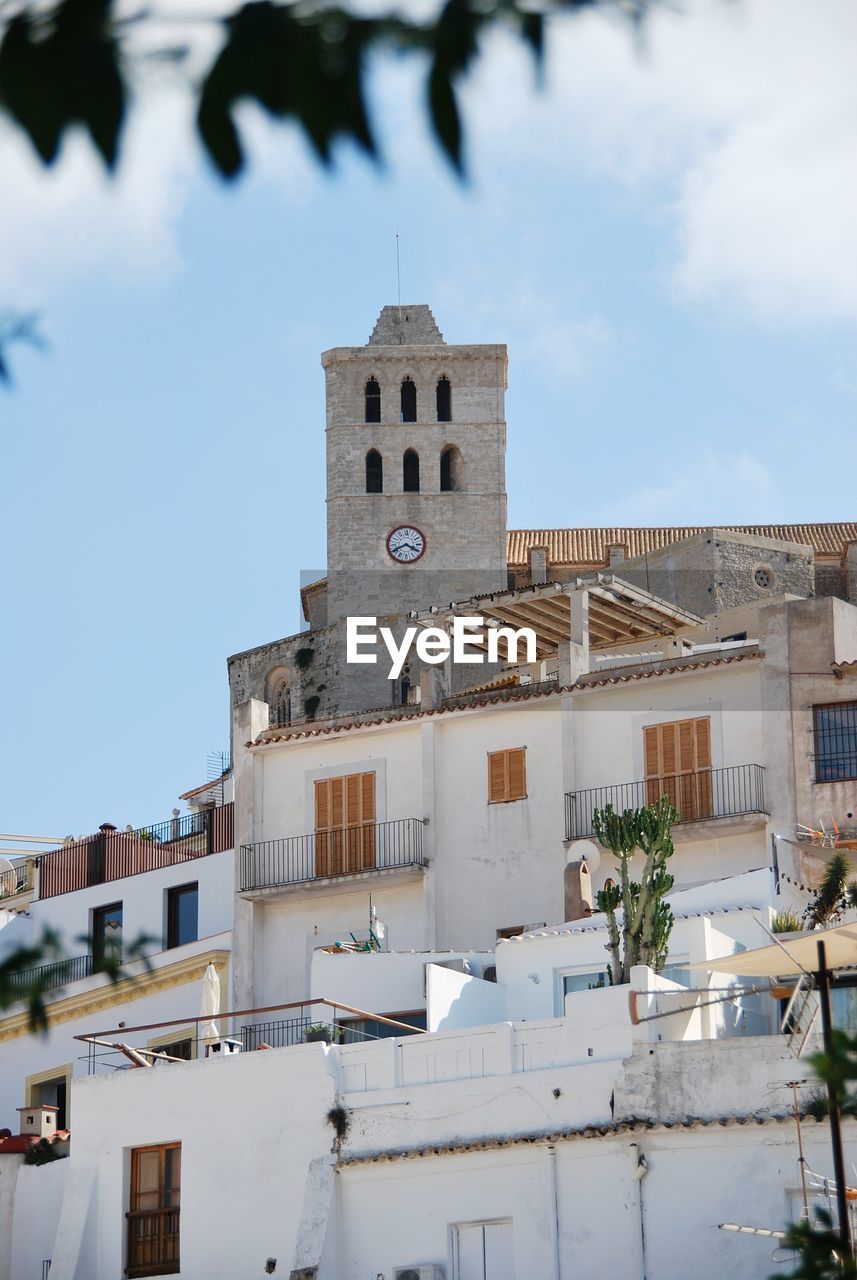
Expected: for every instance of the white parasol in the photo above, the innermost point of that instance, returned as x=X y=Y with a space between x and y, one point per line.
x=209 y=1031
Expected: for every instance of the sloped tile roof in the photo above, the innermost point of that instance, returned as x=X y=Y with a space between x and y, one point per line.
x=590 y=546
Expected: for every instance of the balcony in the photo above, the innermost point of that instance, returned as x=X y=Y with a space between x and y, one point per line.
x=327 y=857
x=113 y=855
x=709 y=795
x=19 y=878
x=47 y=977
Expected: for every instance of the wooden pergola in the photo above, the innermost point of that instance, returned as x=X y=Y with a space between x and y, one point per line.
x=599 y=609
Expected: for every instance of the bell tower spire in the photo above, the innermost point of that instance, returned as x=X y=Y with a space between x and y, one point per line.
x=416 y=489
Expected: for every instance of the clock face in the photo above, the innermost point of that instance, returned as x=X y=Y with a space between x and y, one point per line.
x=405 y=544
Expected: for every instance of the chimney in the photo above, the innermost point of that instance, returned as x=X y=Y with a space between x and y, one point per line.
x=578 y=891
x=38 y=1122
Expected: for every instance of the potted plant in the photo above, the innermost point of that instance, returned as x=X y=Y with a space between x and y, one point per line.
x=322 y=1031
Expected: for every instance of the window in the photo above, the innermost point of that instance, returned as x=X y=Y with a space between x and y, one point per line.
x=356 y=1030
x=483 y=1251
x=411 y=471
x=106 y=934
x=374 y=472
x=373 y=401
x=444 y=400
x=451 y=470
x=835 y=727
x=409 y=401
x=153 y=1214
x=507 y=775
x=175 y=1045
x=345 y=824
x=678 y=765
x=569 y=980
x=281 y=706
x=51 y=1089
x=182 y=915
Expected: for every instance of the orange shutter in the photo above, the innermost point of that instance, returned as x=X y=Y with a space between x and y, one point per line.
x=678 y=765
x=496 y=777
x=154 y=1211
x=344 y=824
x=652 y=751
x=704 y=791
x=507 y=775
x=516 y=773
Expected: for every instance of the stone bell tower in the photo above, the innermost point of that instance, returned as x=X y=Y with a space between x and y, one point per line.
x=416 y=489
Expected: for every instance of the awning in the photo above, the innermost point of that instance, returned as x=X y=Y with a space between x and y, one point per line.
x=619 y=613
x=791 y=956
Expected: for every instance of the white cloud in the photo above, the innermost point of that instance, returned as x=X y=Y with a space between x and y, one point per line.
x=74 y=221
x=716 y=487
x=735 y=121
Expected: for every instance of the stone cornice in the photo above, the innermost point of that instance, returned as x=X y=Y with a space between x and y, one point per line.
x=108 y=996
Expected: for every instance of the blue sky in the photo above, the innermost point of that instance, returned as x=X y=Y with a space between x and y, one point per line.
x=664 y=240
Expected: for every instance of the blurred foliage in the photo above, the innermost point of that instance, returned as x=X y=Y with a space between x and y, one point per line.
x=15 y=328
x=68 y=64
x=29 y=972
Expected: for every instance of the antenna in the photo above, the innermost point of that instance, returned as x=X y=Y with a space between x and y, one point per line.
x=398 y=278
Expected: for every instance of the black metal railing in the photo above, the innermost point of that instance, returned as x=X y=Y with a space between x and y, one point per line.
x=285 y=1032
x=18 y=879
x=708 y=793
x=47 y=977
x=370 y=846
x=111 y=854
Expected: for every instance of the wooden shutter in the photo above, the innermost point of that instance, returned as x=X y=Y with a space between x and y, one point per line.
x=677 y=757
x=507 y=775
x=345 y=832
x=154 y=1209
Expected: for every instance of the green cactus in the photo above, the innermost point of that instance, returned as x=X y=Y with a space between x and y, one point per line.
x=647 y=919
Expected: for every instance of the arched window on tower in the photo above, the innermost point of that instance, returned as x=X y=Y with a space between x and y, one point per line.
x=374 y=472
x=444 y=400
x=409 y=400
x=281 y=707
x=373 y=401
x=411 y=471
x=451 y=469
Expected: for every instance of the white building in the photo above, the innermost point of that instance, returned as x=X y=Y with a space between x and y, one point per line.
x=402 y=852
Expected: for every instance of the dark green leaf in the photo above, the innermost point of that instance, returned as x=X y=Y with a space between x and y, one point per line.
x=444 y=115
x=308 y=68
x=61 y=68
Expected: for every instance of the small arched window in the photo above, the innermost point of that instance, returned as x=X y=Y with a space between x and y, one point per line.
x=411 y=471
x=373 y=401
x=409 y=400
x=374 y=472
x=281 y=708
x=444 y=400
x=451 y=469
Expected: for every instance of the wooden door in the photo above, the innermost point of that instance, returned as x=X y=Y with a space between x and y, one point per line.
x=678 y=765
x=345 y=829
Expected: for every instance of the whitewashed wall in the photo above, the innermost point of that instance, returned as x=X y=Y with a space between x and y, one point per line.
x=143 y=899
x=696 y=1179
x=27 y=1055
x=256 y=1154
x=382 y=981
x=288 y=932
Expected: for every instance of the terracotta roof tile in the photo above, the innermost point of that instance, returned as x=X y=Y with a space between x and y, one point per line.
x=584 y=682
x=622 y=675
x=590 y=546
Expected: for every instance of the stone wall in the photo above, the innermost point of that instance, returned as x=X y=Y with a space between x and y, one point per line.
x=464 y=530
x=719 y=570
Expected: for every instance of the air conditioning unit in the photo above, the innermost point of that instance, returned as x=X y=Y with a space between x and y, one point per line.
x=421 y=1271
